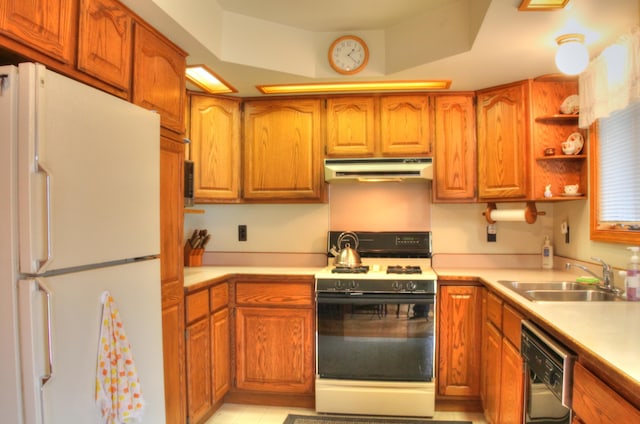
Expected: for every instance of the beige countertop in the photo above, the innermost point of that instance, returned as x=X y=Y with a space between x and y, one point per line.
x=608 y=330
x=196 y=275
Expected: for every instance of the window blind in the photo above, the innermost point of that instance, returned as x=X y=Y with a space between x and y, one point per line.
x=619 y=166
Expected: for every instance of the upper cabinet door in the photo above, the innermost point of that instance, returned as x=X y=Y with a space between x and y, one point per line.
x=283 y=150
x=455 y=149
x=503 y=142
x=351 y=126
x=215 y=148
x=159 y=77
x=105 y=41
x=45 y=25
x=405 y=125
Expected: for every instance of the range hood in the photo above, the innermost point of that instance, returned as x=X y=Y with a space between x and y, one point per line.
x=378 y=169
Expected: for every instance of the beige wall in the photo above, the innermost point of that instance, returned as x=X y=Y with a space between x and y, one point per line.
x=459 y=229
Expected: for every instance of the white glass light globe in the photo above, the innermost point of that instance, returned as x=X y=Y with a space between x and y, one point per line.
x=572 y=56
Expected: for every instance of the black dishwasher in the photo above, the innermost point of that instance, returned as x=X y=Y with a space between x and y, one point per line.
x=548 y=377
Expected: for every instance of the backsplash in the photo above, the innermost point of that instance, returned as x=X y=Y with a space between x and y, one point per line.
x=388 y=206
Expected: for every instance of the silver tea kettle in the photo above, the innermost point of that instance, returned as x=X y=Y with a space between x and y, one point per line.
x=347 y=256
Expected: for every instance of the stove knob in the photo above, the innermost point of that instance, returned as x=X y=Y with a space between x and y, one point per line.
x=338 y=285
x=396 y=285
x=411 y=285
x=353 y=285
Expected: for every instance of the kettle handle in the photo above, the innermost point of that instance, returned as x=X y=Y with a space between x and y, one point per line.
x=350 y=234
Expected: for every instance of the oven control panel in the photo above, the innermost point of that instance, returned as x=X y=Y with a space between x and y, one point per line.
x=375 y=285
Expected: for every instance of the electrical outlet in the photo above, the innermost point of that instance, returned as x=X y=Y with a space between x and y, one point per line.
x=242 y=233
x=491 y=233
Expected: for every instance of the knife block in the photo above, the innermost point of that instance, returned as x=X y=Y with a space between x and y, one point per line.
x=192 y=257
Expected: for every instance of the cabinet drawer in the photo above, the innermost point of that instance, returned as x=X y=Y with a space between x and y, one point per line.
x=197 y=305
x=276 y=294
x=511 y=325
x=219 y=296
x=494 y=310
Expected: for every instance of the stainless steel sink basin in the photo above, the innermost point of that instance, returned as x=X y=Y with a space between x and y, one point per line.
x=559 y=291
x=570 y=295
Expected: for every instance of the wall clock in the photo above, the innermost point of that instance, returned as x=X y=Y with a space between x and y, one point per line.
x=348 y=54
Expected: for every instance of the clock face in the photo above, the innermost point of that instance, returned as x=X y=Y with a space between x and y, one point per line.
x=348 y=54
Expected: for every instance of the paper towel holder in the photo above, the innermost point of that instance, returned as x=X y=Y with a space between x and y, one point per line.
x=530 y=212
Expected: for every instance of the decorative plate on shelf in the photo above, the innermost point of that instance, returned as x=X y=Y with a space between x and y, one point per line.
x=573 y=145
x=571 y=194
x=570 y=105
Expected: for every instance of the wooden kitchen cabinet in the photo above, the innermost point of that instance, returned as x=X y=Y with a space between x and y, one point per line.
x=105 y=42
x=159 y=77
x=283 y=150
x=208 y=349
x=455 y=149
x=274 y=336
x=406 y=125
x=171 y=271
x=595 y=402
x=459 y=339
x=503 y=131
x=352 y=126
x=48 y=26
x=214 y=131
x=220 y=340
x=198 y=358
x=503 y=376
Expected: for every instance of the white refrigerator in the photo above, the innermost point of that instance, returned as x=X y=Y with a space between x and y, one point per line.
x=79 y=216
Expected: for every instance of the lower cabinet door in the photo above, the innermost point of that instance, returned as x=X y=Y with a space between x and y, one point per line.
x=220 y=353
x=274 y=350
x=199 y=399
x=512 y=385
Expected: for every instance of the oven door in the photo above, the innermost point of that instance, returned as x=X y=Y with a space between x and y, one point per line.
x=381 y=337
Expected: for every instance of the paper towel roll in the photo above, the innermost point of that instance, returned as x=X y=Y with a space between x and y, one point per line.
x=508 y=215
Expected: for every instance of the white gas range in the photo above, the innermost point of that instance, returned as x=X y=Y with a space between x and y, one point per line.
x=376 y=327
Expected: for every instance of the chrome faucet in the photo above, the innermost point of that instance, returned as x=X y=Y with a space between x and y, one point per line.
x=607 y=273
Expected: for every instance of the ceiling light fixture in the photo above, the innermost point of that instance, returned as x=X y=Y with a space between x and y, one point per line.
x=542 y=5
x=207 y=80
x=572 y=56
x=341 y=87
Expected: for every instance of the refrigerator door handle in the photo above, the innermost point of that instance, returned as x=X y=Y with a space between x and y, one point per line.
x=46 y=377
x=37 y=371
x=34 y=180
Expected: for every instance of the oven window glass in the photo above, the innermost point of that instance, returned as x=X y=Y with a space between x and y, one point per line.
x=381 y=341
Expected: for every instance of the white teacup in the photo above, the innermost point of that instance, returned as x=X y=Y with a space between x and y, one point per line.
x=571 y=189
x=569 y=147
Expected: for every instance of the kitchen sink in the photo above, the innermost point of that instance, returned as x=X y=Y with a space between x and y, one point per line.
x=559 y=291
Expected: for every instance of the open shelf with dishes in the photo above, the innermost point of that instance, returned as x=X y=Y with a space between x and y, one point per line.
x=558 y=145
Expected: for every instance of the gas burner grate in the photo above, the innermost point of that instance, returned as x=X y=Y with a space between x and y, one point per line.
x=363 y=269
x=404 y=269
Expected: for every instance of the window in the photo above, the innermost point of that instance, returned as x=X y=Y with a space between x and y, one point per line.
x=615 y=177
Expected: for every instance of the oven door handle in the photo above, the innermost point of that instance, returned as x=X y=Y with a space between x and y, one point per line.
x=358 y=298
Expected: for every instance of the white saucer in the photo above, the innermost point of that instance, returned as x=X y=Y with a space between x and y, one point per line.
x=571 y=195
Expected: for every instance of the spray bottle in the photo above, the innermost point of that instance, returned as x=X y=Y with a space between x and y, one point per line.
x=632 y=281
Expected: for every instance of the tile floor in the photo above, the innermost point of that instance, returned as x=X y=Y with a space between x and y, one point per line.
x=230 y=413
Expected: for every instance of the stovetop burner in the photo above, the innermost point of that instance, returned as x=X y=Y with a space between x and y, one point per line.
x=363 y=269
x=404 y=269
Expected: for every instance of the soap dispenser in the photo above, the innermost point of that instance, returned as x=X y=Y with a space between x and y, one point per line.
x=632 y=279
x=547 y=254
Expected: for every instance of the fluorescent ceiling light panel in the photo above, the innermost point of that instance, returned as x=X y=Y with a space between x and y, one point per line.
x=342 y=87
x=207 y=80
x=542 y=5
